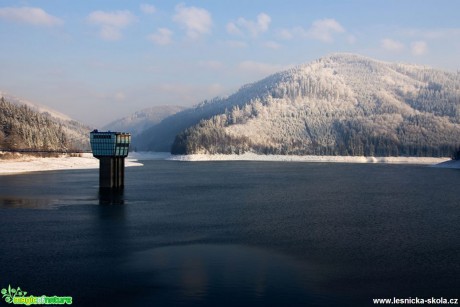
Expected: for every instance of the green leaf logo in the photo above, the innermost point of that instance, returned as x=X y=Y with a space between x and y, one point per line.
x=10 y=293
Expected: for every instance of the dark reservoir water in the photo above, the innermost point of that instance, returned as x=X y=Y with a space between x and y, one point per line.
x=234 y=234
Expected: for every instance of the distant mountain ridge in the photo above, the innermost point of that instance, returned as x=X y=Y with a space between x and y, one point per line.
x=143 y=119
x=342 y=104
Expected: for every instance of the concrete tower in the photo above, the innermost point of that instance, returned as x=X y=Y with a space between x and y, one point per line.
x=111 y=148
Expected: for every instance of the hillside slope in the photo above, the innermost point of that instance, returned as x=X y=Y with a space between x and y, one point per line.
x=143 y=119
x=76 y=133
x=22 y=128
x=342 y=104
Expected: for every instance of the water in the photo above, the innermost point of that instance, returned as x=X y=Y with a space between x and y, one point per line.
x=234 y=233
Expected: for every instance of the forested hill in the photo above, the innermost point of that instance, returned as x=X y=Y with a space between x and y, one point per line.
x=342 y=104
x=23 y=128
x=76 y=133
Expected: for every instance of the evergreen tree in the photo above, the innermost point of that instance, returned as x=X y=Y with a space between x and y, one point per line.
x=21 y=128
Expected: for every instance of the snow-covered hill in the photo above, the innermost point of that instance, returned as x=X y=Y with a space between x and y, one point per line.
x=74 y=132
x=143 y=119
x=342 y=104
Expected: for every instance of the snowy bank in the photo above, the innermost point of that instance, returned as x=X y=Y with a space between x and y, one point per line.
x=150 y=155
x=449 y=164
x=26 y=164
x=293 y=158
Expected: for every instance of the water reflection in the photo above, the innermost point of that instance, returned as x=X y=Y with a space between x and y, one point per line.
x=104 y=196
x=108 y=196
x=26 y=203
x=205 y=274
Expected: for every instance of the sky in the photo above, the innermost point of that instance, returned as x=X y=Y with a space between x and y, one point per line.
x=100 y=60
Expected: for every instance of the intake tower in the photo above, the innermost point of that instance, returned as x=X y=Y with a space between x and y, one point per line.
x=111 y=148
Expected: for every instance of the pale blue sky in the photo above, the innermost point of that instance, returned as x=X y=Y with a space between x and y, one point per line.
x=100 y=60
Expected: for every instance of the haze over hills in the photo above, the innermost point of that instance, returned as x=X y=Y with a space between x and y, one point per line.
x=28 y=125
x=143 y=119
x=342 y=104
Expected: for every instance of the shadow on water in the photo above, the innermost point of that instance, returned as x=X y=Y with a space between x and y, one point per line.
x=108 y=196
x=25 y=203
x=111 y=208
x=202 y=275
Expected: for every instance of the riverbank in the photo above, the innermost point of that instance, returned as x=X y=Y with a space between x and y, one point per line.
x=26 y=164
x=293 y=158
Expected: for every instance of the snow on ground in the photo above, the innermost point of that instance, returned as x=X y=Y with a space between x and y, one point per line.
x=26 y=164
x=150 y=155
x=293 y=158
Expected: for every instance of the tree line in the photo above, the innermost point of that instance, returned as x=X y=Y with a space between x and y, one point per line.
x=22 y=128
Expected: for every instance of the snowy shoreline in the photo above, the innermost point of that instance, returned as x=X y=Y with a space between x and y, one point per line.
x=294 y=158
x=27 y=164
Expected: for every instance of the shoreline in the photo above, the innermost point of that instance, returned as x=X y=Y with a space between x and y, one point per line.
x=313 y=159
x=28 y=164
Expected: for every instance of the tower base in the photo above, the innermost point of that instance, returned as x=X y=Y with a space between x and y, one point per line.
x=111 y=172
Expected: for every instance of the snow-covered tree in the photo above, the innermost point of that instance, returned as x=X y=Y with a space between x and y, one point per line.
x=342 y=104
x=21 y=128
